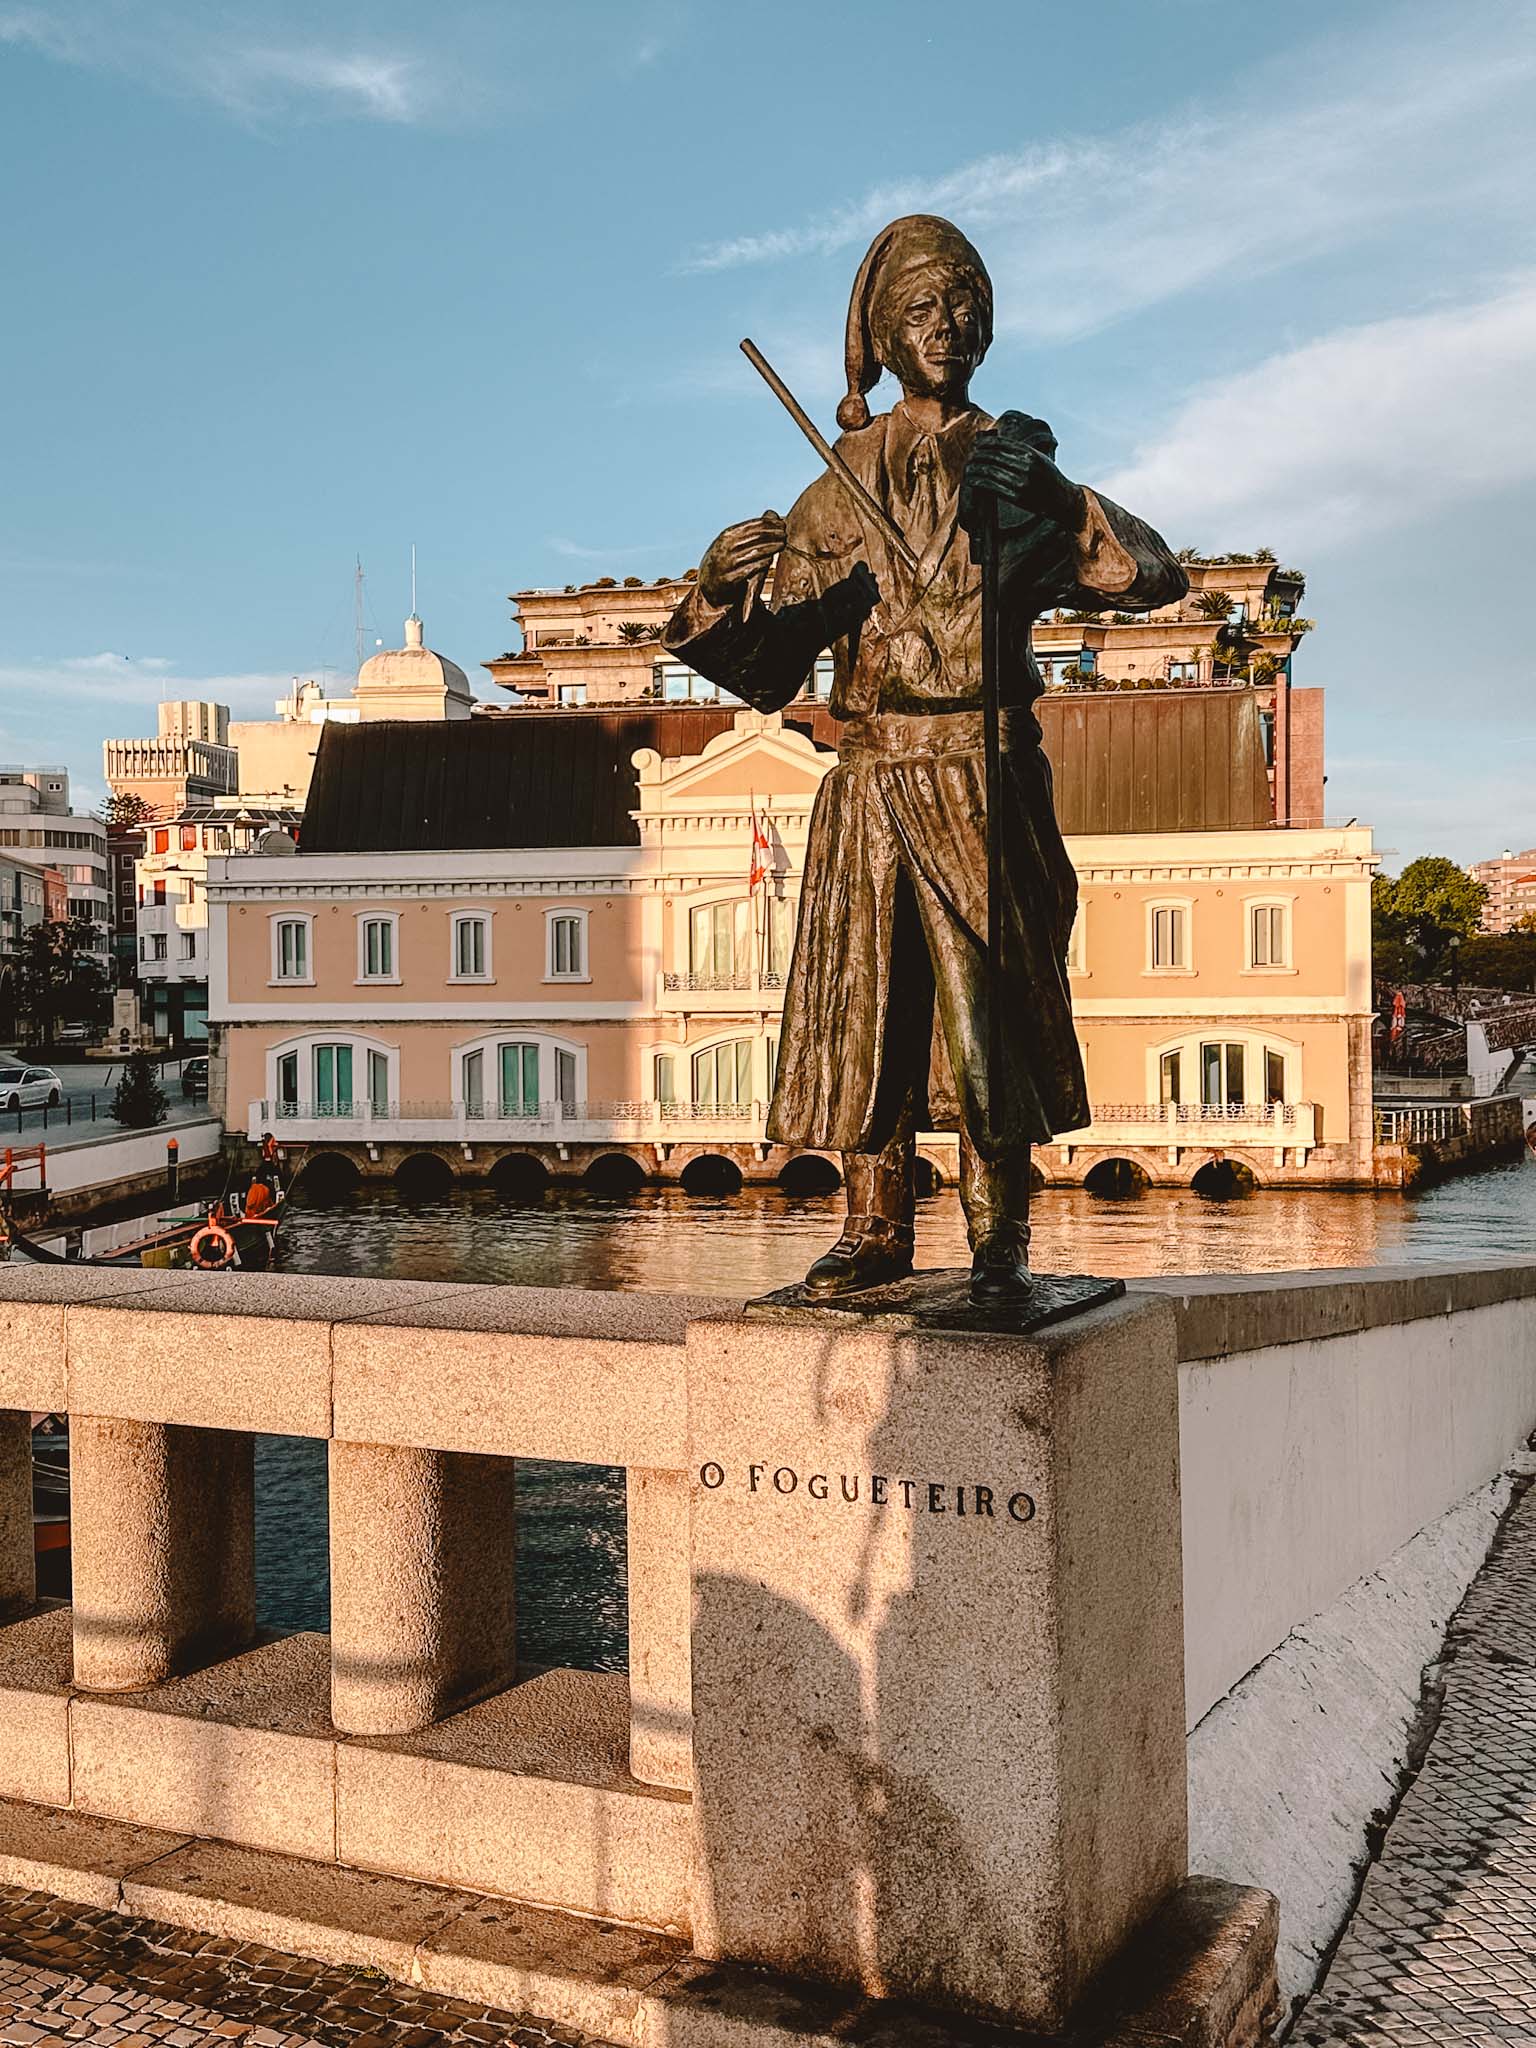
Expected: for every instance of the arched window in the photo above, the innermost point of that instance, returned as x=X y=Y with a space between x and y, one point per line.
x=1227 y=1073
x=520 y=1074
x=722 y=1075
x=333 y=1075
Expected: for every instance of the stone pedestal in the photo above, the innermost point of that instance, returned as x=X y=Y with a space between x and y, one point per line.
x=18 y=1568
x=937 y=1651
x=162 y=1534
x=423 y=1578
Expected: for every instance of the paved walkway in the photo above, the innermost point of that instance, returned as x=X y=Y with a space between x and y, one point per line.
x=1442 y=1947
x=71 y=1974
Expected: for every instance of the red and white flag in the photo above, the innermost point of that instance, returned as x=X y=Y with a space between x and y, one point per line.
x=758 y=870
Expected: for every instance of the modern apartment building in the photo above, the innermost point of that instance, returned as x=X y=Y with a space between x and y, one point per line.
x=23 y=903
x=1511 y=884
x=171 y=907
x=189 y=760
x=530 y=947
x=38 y=822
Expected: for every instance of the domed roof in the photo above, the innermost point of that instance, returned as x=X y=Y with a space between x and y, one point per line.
x=415 y=666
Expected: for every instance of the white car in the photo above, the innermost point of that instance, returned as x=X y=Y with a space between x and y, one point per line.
x=29 y=1087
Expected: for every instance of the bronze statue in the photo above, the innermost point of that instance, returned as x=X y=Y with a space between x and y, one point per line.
x=894 y=905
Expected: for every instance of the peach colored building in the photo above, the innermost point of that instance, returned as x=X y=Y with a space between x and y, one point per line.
x=604 y=998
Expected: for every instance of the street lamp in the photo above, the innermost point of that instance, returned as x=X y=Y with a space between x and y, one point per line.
x=1455 y=962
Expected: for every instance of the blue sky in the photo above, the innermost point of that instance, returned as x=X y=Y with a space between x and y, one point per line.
x=288 y=284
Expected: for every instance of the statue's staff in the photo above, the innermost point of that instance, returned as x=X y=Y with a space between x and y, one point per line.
x=984 y=552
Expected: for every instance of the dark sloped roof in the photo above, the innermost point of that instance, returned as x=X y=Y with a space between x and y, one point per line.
x=1131 y=761
x=530 y=778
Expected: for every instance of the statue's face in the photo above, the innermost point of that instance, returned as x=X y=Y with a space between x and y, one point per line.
x=933 y=333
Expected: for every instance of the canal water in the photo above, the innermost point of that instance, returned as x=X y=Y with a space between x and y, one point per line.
x=570 y=1520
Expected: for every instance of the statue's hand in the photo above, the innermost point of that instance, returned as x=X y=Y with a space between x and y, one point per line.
x=736 y=556
x=849 y=602
x=1012 y=462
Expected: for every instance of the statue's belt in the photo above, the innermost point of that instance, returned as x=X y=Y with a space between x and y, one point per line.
x=900 y=733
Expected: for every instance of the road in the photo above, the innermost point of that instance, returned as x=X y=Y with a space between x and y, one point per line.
x=89 y=1086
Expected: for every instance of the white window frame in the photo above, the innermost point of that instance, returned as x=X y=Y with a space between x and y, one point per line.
x=392 y=919
x=1077 y=945
x=303 y=1044
x=484 y=919
x=1181 y=903
x=1255 y=1045
x=1287 y=904
x=581 y=918
x=726 y=1035
x=737 y=897
x=305 y=918
x=512 y=1032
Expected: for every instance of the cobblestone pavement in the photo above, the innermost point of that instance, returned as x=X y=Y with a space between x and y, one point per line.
x=68 y=1973
x=1442 y=1947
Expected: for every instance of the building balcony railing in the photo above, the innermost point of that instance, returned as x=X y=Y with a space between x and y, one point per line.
x=748 y=988
x=1180 y=1124
x=464 y=1123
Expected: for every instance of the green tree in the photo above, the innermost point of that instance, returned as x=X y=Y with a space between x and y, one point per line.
x=1501 y=959
x=139 y=1101
x=120 y=813
x=1428 y=904
x=58 y=976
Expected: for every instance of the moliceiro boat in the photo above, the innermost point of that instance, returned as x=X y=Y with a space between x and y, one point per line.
x=237 y=1232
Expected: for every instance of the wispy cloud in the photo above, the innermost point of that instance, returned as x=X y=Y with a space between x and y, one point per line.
x=577 y=551
x=1378 y=131
x=133 y=682
x=1359 y=432
x=256 y=76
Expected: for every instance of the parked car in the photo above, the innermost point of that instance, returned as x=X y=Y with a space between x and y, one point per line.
x=194 y=1078
x=29 y=1087
x=73 y=1034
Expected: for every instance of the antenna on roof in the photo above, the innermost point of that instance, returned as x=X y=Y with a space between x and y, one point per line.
x=413 y=579
x=357 y=610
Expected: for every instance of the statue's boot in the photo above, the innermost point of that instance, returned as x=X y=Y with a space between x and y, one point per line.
x=876 y=1244
x=995 y=1196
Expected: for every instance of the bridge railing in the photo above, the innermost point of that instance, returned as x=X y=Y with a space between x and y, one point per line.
x=876 y=1600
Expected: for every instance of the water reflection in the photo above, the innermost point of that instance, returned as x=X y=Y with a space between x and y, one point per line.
x=741 y=1245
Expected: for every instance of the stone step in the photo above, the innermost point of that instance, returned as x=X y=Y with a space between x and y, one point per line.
x=1198 y=1977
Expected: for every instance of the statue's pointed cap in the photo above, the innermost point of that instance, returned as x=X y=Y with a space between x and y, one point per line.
x=915 y=239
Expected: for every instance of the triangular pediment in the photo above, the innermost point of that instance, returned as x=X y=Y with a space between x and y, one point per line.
x=752 y=760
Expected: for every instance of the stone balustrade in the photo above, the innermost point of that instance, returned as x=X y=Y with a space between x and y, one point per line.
x=910 y=1609
x=400 y=1742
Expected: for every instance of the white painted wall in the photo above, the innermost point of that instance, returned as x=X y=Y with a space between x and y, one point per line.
x=1306 y=1465
x=97 y=1162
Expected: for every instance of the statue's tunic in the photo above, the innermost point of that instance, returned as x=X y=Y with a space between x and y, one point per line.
x=893 y=908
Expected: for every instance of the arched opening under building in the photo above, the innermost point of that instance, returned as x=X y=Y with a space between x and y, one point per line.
x=423 y=1177
x=711 y=1174
x=809 y=1174
x=615 y=1173
x=926 y=1177
x=1224 y=1180
x=519 y=1177
x=1036 y=1178
x=327 y=1177
x=1119 y=1179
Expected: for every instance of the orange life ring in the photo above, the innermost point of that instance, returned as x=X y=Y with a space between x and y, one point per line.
x=216 y=1235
